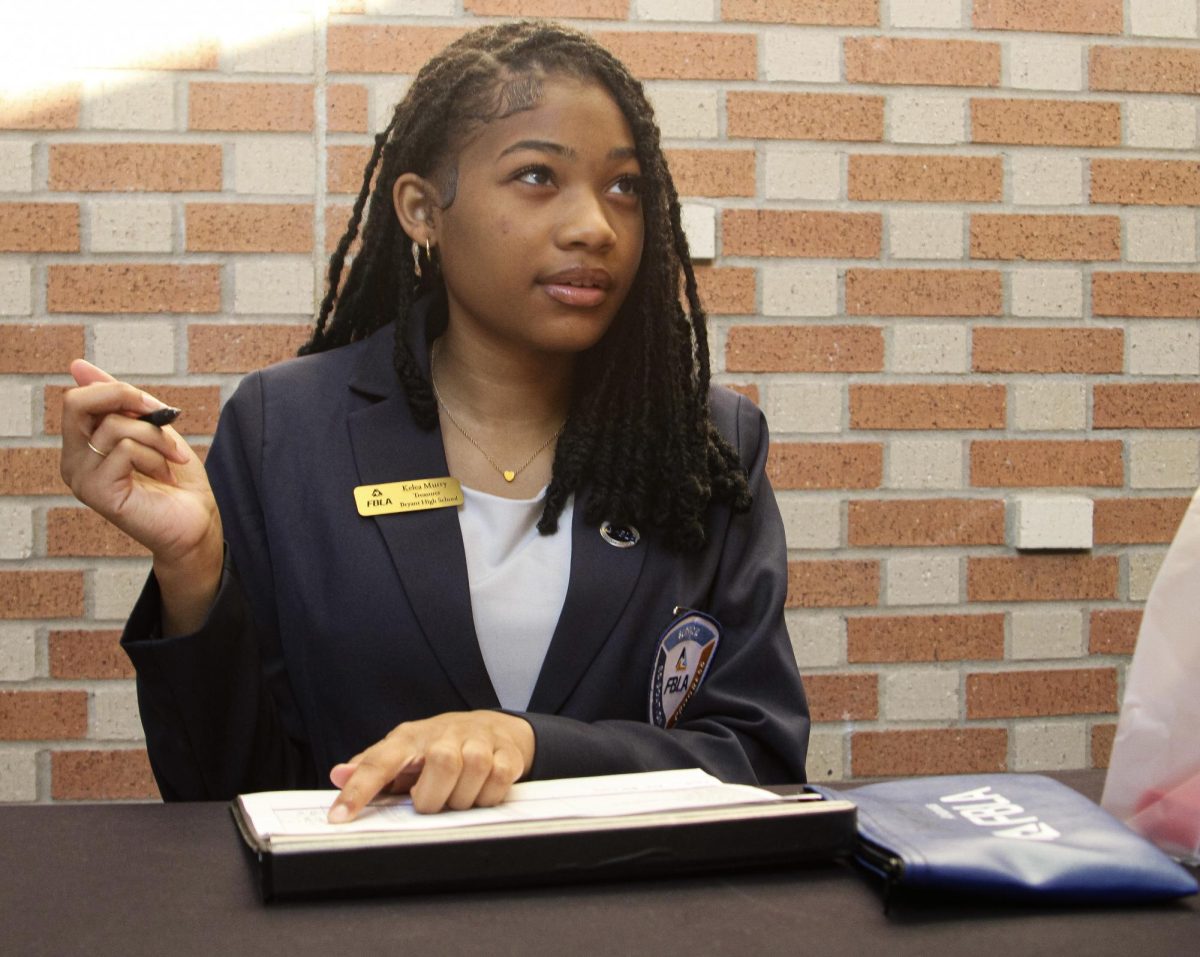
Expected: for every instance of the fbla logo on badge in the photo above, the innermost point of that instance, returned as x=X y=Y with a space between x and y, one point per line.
x=685 y=651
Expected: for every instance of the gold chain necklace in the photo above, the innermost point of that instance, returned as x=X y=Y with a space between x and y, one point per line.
x=508 y=474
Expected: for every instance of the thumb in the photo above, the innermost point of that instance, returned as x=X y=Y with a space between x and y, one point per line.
x=85 y=373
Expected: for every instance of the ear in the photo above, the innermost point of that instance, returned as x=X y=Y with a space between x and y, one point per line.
x=415 y=200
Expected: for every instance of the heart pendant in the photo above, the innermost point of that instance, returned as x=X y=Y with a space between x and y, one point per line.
x=509 y=475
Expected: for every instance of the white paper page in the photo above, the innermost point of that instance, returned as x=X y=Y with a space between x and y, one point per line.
x=294 y=813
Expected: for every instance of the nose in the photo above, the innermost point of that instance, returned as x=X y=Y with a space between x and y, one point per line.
x=585 y=222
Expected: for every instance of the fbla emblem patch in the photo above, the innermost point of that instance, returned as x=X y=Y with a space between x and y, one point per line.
x=684 y=654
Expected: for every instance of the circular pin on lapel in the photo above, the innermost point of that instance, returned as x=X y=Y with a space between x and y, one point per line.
x=620 y=536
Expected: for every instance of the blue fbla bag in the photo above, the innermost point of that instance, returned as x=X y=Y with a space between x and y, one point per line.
x=1010 y=837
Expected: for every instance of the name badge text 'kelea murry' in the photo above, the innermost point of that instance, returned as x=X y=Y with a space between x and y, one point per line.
x=413 y=496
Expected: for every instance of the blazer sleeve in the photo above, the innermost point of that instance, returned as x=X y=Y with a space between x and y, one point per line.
x=216 y=705
x=749 y=720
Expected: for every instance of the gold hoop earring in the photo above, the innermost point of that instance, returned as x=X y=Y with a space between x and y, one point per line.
x=416 y=251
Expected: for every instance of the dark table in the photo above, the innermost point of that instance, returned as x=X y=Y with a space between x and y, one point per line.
x=174 y=880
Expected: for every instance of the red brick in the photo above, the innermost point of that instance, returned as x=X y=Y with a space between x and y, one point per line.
x=1005 y=236
x=30 y=471
x=844 y=13
x=554 y=9
x=936 y=751
x=1146 y=405
x=804 y=349
x=1078 y=16
x=921 y=62
x=803 y=116
x=1102 y=744
x=726 y=290
x=39 y=227
x=1042 y=578
x=384 y=48
x=925 y=638
x=249 y=227
x=345 y=167
x=1148 y=182
x=40 y=348
x=712 y=172
x=45 y=594
x=1046 y=122
x=1113 y=631
x=965 y=179
x=912 y=523
x=135 y=167
x=661 y=55
x=346 y=108
x=923 y=292
x=799 y=234
x=1144 y=69
x=927 y=406
x=825 y=465
x=134 y=288
x=750 y=391
x=101 y=776
x=832 y=584
x=337 y=218
x=88 y=654
x=38 y=715
x=1136 y=521
x=1004 y=349
x=72 y=532
x=263 y=107
x=1030 y=464
x=1034 y=694
x=241 y=348
x=201 y=406
x=1146 y=294
x=56 y=108
x=842 y=697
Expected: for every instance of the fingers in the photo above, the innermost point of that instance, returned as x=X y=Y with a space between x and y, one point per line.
x=85 y=373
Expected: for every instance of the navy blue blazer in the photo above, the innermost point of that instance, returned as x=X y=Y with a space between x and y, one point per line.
x=329 y=629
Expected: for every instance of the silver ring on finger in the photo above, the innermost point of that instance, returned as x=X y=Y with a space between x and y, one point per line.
x=102 y=455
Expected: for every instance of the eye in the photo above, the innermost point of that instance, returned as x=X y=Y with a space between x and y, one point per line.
x=536 y=175
x=631 y=184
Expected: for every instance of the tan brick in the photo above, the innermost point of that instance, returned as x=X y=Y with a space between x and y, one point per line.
x=16 y=408
x=135 y=167
x=1079 y=16
x=140 y=102
x=1146 y=182
x=1160 y=235
x=1144 y=69
x=1028 y=464
x=1143 y=570
x=807 y=407
x=796 y=172
x=1102 y=744
x=825 y=465
x=1121 y=521
x=923 y=233
x=842 y=697
x=683 y=111
x=72 y=532
x=923 y=578
x=87 y=654
x=1041 y=65
x=1040 y=633
x=1006 y=349
x=1046 y=178
x=1168 y=124
x=384 y=48
x=1148 y=405
x=1170 y=461
x=30 y=472
x=926 y=14
x=712 y=172
x=804 y=349
x=56 y=108
x=39 y=227
x=920 y=694
x=923 y=292
x=101 y=776
x=346 y=109
x=940 y=179
x=41 y=348
x=944 y=521
x=1006 y=236
x=575 y=9
x=240 y=107
x=685 y=56
x=138 y=348
x=845 y=13
x=936 y=751
x=16 y=166
x=832 y=584
x=1045 y=122
x=810 y=524
x=134 y=288
x=795 y=233
x=241 y=348
x=1163 y=18
x=726 y=290
x=1146 y=294
x=249 y=227
x=1168 y=348
x=927 y=118
x=274 y=164
x=1048 y=405
x=1113 y=631
x=928 y=349
x=925 y=638
x=121 y=226
x=1037 y=746
x=927 y=406
x=1042 y=578
x=1032 y=694
x=922 y=62
x=925 y=464
x=800 y=56
x=344 y=167
x=803 y=116
x=37 y=715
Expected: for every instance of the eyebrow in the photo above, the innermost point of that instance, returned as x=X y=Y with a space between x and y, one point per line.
x=557 y=149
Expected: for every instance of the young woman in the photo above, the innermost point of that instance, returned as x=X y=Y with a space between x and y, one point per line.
x=521 y=317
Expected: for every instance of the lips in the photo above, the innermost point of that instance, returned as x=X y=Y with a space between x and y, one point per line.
x=578 y=286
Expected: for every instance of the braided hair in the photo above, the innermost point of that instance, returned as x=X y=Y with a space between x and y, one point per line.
x=639 y=442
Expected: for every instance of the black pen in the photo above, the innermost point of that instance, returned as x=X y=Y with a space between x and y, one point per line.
x=160 y=417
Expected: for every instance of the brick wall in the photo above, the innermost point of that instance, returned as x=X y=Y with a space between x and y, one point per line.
x=949 y=246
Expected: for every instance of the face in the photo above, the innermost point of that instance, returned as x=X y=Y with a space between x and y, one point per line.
x=543 y=238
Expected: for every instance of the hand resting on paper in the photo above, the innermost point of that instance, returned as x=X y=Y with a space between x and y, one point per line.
x=455 y=760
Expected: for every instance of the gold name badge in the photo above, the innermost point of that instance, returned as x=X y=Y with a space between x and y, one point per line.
x=408 y=496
